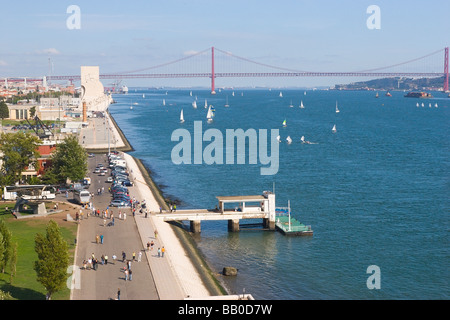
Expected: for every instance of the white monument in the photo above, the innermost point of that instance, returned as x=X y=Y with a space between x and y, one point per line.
x=92 y=90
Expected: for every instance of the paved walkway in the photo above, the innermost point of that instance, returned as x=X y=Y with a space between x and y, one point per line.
x=171 y=277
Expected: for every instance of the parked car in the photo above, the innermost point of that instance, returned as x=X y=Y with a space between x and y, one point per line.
x=117 y=203
x=127 y=183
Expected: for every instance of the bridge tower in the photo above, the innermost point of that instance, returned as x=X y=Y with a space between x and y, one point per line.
x=213 y=88
x=446 y=70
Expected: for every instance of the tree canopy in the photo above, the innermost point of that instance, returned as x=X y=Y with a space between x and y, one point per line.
x=18 y=151
x=68 y=161
x=53 y=259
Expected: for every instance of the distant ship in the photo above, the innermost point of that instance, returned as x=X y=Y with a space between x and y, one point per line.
x=124 y=90
x=418 y=95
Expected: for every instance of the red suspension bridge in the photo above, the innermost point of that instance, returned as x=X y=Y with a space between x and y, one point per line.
x=196 y=66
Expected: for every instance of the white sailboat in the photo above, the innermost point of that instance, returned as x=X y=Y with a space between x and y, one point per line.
x=436 y=105
x=278 y=138
x=429 y=105
x=206 y=104
x=226 y=104
x=143 y=96
x=284 y=123
x=301 y=105
x=423 y=105
x=190 y=93
x=209 y=115
x=417 y=104
x=337 y=110
x=232 y=94
x=291 y=105
x=304 y=93
x=302 y=139
x=334 y=129
x=281 y=94
x=289 y=140
x=181 y=116
x=164 y=102
x=194 y=104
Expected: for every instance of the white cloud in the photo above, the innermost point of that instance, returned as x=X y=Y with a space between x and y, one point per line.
x=51 y=51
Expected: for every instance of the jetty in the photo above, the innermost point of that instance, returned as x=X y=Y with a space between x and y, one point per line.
x=236 y=208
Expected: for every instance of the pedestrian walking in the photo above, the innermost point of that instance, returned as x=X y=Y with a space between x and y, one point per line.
x=101 y=239
x=124 y=256
x=134 y=256
x=118 y=294
x=130 y=274
x=159 y=252
x=148 y=246
x=162 y=251
x=124 y=216
x=97 y=239
x=104 y=222
x=120 y=215
x=156 y=233
x=126 y=274
x=151 y=245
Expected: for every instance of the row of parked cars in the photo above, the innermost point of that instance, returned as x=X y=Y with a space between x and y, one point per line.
x=120 y=181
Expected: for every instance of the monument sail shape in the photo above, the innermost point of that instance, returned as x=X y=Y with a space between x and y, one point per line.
x=92 y=89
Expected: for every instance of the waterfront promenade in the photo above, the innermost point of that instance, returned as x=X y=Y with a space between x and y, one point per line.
x=172 y=277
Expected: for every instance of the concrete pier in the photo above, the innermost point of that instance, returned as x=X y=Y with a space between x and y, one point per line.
x=230 y=208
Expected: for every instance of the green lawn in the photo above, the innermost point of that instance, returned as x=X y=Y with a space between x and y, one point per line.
x=25 y=286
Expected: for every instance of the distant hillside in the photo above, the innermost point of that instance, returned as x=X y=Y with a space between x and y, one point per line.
x=397 y=83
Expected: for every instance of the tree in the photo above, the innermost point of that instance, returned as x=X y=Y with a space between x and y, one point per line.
x=53 y=259
x=19 y=150
x=4 y=111
x=6 y=246
x=69 y=161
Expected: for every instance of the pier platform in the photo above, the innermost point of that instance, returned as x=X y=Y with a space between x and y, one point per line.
x=292 y=227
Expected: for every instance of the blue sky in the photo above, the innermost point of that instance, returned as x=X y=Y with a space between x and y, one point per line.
x=298 y=34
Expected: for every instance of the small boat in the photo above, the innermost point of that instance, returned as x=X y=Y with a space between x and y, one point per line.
x=417 y=104
x=304 y=93
x=302 y=139
x=291 y=105
x=334 y=129
x=226 y=104
x=206 y=104
x=289 y=140
x=388 y=94
x=131 y=108
x=181 y=116
x=376 y=96
x=210 y=115
x=284 y=123
x=337 y=110
x=232 y=94
x=194 y=104
x=278 y=138
x=143 y=96
x=301 y=105
x=164 y=102
x=429 y=105
x=436 y=105
x=190 y=93
x=281 y=94
x=423 y=105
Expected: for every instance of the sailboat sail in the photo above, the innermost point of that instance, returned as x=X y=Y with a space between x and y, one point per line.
x=206 y=104
x=226 y=104
x=284 y=123
x=181 y=116
x=334 y=129
x=301 y=105
x=209 y=115
x=289 y=140
x=194 y=104
x=337 y=110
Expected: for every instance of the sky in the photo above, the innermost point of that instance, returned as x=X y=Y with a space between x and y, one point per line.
x=320 y=35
